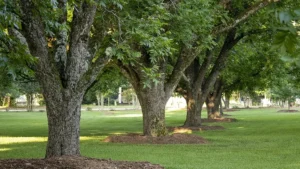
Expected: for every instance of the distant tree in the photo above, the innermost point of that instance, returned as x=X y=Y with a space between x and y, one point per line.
x=253 y=65
x=107 y=84
x=29 y=89
x=240 y=19
x=286 y=92
x=8 y=89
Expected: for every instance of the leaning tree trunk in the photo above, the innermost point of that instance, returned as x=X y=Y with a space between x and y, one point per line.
x=153 y=102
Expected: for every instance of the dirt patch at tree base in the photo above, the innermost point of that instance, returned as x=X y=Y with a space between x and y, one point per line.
x=183 y=129
x=219 y=120
x=288 y=111
x=177 y=138
x=74 y=162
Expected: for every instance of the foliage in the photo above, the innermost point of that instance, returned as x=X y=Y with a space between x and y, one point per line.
x=146 y=35
x=7 y=86
x=287 y=88
x=287 y=38
x=252 y=66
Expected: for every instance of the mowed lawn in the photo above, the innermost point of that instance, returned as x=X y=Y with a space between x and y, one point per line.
x=261 y=139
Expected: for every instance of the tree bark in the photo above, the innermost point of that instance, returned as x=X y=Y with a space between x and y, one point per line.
x=153 y=103
x=194 y=109
x=63 y=126
x=213 y=101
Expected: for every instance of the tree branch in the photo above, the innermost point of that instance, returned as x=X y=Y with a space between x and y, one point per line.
x=185 y=58
x=78 y=60
x=250 y=11
x=62 y=39
x=91 y=74
x=130 y=74
x=203 y=70
x=229 y=43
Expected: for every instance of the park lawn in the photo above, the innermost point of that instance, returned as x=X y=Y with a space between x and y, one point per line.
x=261 y=139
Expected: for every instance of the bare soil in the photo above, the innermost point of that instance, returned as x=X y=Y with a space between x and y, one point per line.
x=222 y=119
x=74 y=162
x=183 y=129
x=177 y=138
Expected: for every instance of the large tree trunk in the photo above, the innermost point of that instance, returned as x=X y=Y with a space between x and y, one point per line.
x=63 y=126
x=194 y=109
x=213 y=105
x=153 y=104
x=213 y=101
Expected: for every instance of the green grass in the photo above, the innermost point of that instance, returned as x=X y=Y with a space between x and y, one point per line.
x=261 y=139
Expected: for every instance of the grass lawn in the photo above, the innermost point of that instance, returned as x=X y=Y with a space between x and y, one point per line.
x=261 y=139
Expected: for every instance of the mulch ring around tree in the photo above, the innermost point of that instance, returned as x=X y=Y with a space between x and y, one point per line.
x=74 y=162
x=183 y=129
x=177 y=138
x=288 y=111
x=219 y=120
x=230 y=110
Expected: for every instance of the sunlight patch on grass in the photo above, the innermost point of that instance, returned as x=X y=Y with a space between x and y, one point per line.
x=13 y=140
x=117 y=133
x=5 y=149
x=87 y=138
x=127 y=115
x=16 y=140
x=183 y=130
